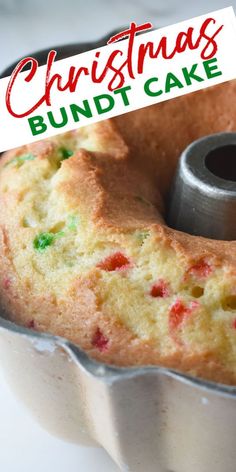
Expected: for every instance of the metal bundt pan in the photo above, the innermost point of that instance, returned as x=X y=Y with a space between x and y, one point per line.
x=148 y=419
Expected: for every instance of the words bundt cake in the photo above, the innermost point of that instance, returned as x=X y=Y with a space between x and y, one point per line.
x=85 y=252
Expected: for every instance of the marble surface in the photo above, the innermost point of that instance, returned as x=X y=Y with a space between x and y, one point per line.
x=26 y=26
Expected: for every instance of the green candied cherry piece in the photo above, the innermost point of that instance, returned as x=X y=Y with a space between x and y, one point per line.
x=142 y=235
x=19 y=161
x=44 y=240
x=58 y=235
x=72 y=222
x=65 y=153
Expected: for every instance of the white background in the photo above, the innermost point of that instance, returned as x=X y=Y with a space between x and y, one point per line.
x=25 y=26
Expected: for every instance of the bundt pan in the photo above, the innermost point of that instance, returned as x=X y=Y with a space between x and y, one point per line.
x=150 y=418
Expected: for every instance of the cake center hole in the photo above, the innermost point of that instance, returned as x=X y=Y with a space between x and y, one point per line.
x=222 y=162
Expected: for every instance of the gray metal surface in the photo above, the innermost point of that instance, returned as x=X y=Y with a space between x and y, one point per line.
x=203 y=198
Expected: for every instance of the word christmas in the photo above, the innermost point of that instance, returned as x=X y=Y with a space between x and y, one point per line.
x=192 y=39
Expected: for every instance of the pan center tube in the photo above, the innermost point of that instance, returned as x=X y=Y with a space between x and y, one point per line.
x=202 y=200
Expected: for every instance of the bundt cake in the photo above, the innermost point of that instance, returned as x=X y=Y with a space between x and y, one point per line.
x=85 y=252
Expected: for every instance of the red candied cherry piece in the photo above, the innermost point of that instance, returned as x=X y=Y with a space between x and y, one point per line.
x=160 y=289
x=117 y=261
x=100 y=341
x=31 y=324
x=178 y=312
x=234 y=324
x=200 y=269
x=6 y=283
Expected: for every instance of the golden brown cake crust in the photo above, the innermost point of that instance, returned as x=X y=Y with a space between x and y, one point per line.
x=72 y=289
x=167 y=128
